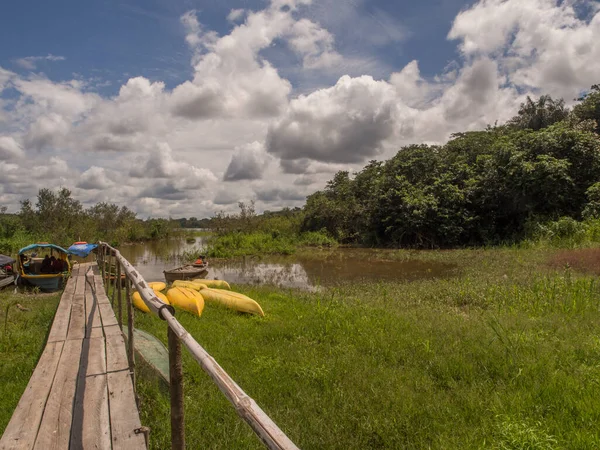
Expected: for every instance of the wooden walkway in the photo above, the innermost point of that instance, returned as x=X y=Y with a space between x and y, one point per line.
x=80 y=395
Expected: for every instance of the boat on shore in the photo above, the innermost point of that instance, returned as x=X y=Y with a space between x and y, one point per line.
x=47 y=273
x=7 y=274
x=187 y=272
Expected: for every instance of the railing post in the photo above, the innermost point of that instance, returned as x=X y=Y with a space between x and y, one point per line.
x=176 y=390
x=130 y=343
x=119 y=295
x=103 y=260
x=107 y=281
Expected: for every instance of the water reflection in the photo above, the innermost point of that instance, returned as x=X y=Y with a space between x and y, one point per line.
x=306 y=272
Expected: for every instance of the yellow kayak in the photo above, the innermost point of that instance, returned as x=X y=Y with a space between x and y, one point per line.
x=217 y=284
x=157 y=285
x=189 y=285
x=186 y=299
x=139 y=303
x=232 y=300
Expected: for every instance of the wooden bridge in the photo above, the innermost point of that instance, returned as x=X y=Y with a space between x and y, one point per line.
x=81 y=393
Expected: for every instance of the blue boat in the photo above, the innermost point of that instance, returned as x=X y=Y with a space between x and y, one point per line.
x=48 y=272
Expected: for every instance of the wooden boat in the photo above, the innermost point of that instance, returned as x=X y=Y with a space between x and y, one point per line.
x=186 y=272
x=151 y=350
x=38 y=272
x=7 y=275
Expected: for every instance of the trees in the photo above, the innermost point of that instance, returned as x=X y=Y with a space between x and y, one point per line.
x=589 y=108
x=480 y=187
x=535 y=115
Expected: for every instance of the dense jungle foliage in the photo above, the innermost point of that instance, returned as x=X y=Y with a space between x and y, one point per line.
x=59 y=218
x=537 y=173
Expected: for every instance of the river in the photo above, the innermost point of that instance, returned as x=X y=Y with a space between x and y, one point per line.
x=307 y=270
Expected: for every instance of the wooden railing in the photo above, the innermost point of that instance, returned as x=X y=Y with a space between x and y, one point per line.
x=245 y=406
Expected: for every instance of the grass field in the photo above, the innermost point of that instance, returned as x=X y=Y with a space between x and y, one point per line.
x=504 y=355
x=22 y=339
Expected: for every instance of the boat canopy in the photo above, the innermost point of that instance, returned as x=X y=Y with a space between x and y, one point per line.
x=34 y=246
x=81 y=249
x=4 y=260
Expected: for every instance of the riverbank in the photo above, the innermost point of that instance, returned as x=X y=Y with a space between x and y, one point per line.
x=502 y=355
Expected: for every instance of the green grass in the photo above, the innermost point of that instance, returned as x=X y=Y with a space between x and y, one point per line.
x=505 y=356
x=235 y=245
x=22 y=340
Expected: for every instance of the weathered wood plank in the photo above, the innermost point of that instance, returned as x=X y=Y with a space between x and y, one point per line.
x=107 y=314
x=25 y=421
x=113 y=330
x=77 y=322
x=91 y=309
x=55 y=429
x=60 y=324
x=91 y=426
x=124 y=416
x=116 y=357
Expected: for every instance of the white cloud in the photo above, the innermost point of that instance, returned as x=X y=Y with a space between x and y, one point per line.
x=30 y=62
x=539 y=44
x=236 y=14
x=168 y=147
x=345 y=123
x=94 y=178
x=9 y=148
x=247 y=163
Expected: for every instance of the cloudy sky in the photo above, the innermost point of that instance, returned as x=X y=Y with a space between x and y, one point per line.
x=185 y=107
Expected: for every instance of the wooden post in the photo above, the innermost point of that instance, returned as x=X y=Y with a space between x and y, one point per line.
x=107 y=281
x=103 y=260
x=130 y=343
x=176 y=389
x=119 y=295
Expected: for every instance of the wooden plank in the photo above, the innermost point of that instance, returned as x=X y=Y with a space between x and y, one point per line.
x=55 y=429
x=77 y=322
x=113 y=330
x=91 y=426
x=94 y=333
x=25 y=421
x=91 y=310
x=124 y=416
x=107 y=314
x=60 y=324
x=116 y=356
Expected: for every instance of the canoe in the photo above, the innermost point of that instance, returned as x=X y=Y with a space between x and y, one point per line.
x=232 y=300
x=218 y=284
x=189 y=285
x=186 y=272
x=186 y=299
x=151 y=350
x=139 y=303
x=6 y=280
x=157 y=285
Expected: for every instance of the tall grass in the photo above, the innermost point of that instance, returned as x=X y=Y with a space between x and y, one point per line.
x=237 y=244
x=503 y=356
x=22 y=339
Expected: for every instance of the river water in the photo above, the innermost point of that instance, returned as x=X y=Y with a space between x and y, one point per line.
x=318 y=268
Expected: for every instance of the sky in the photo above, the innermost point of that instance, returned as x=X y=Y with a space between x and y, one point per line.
x=183 y=108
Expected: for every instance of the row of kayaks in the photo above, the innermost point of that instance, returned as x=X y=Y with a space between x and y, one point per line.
x=192 y=295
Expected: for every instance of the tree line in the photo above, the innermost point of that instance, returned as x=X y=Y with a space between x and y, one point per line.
x=59 y=218
x=481 y=187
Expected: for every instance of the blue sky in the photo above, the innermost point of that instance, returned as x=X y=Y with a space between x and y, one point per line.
x=114 y=40
x=184 y=108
